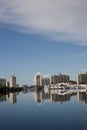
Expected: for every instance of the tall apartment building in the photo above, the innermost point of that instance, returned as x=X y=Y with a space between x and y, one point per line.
x=7 y=84
x=12 y=81
x=60 y=78
x=37 y=79
x=81 y=78
x=54 y=79
x=2 y=82
x=45 y=81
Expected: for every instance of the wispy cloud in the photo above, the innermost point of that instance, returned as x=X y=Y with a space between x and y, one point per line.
x=62 y=20
x=83 y=54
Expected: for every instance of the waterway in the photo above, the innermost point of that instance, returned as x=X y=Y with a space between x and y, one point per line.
x=43 y=110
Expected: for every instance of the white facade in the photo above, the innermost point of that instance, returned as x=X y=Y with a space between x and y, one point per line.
x=38 y=80
x=12 y=81
x=7 y=84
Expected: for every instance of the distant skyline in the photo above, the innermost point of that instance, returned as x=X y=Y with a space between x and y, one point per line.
x=46 y=36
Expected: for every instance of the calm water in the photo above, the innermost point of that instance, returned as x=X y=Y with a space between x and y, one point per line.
x=43 y=110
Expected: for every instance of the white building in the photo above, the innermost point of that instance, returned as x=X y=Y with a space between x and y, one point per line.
x=37 y=79
x=7 y=84
x=12 y=81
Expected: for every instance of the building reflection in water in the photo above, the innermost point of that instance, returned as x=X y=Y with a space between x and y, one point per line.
x=82 y=97
x=60 y=98
x=52 y=95
x=47 y=95
x=2 y=97
x=12 y=98
x=38 y=97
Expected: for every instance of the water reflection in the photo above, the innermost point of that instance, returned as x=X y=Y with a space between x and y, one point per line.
x=82 y=97
x=46 y=95
x=53 y=96
x=38 y=96
x=59 y=96
x=12 y=98
x=2 y=97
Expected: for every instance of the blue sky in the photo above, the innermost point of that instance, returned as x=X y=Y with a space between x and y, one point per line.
x=49 y=37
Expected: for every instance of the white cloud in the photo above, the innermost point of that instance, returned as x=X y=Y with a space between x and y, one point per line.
x=62 y=20
x=83 y=54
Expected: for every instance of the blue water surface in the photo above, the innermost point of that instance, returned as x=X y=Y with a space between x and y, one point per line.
x=43 y=111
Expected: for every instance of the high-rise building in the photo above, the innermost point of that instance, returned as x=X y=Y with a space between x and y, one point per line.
x=55 y=79
x=37 y=79
x=45 y=81
x=12 y=81
x=81 y=78
x=2 y=82
x=7 y=84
